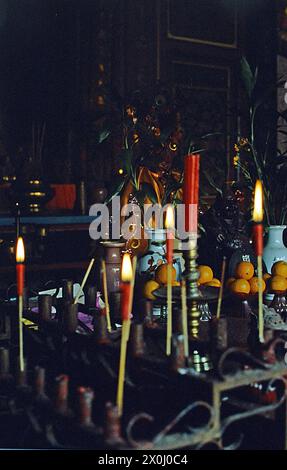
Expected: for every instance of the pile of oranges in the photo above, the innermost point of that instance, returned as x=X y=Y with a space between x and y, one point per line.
x=277 y=280
x=245 y=283
x=206 y=276
x=160 y=279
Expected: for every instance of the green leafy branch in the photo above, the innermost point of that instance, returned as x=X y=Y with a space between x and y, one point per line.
x=265 y=165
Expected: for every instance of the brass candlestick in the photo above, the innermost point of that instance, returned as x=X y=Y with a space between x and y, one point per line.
x=197 y=359
x=192 y=290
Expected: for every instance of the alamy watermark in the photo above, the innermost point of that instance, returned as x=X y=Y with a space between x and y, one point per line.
x=127 y=221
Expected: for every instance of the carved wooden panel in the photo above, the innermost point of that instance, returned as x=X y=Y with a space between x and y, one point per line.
x=203 y=22
x=205 y=92
x=140 y=43
x=198 y=52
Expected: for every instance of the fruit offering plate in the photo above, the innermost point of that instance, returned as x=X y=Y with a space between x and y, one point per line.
x=207 y=294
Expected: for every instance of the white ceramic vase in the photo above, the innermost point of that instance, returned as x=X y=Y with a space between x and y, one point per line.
x=156 y=252
x=275 y=248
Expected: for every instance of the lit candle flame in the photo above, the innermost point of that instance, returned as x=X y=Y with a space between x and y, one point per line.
x=127 y=270
x=169 y=220
x=20 y=251
x=258 y=202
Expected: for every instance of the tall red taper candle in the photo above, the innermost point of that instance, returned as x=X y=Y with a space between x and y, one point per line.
x=126 y=286
x=191 y=191
x=126 y=289
x=258 y=238
x=258 y=218
x=169 y=223
x=258 y=242
x=20 y=271
x=126 y=292
x=169 y=247
x=20 y=267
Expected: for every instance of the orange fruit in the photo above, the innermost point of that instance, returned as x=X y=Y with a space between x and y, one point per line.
x=148 y=289
x=266 y=276
x=244 y=270
x=176 y=283
x=254 y=285
x=205 y=274
x=229 y=282
x=278 y=284
x=279 y=269
x=214 y=283
x=161 y=274
x=240 y=287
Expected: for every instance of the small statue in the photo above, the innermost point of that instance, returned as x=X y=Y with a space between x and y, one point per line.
x=225 y=233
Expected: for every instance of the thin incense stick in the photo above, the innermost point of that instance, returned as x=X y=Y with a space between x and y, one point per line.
x=21 y=349
x=41 y=143
x=105 y=287
x=260 y=300
x=85 y=278
x=124 y=342
x=122 y=368
x=184 y=317
x=169 y=309
x=131 y=296
x=219 y=303
x=38 y=140
x=17 y=220
x=33 y=141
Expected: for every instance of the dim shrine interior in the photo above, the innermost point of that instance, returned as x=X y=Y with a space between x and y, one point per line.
x=137 y=98
x=80 y=80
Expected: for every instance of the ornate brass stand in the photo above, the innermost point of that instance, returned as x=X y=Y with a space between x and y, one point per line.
x=192 y=289
x=198 y=360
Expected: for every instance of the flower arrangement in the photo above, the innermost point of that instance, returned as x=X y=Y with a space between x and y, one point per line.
x=154 y=136
x=149 y=161
x=261 y=161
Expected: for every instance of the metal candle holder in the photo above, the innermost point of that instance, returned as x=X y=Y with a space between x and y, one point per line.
x=192 y=290
x=4 y=363
x=198 y=359
x=45 y=307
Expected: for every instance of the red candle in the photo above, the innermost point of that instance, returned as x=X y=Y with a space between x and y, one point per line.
x=126 y=286
x=169 y=222
x=191 y=191
x=20 y=267
x=257 y=219
x=125 y=300
x=258 y=239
